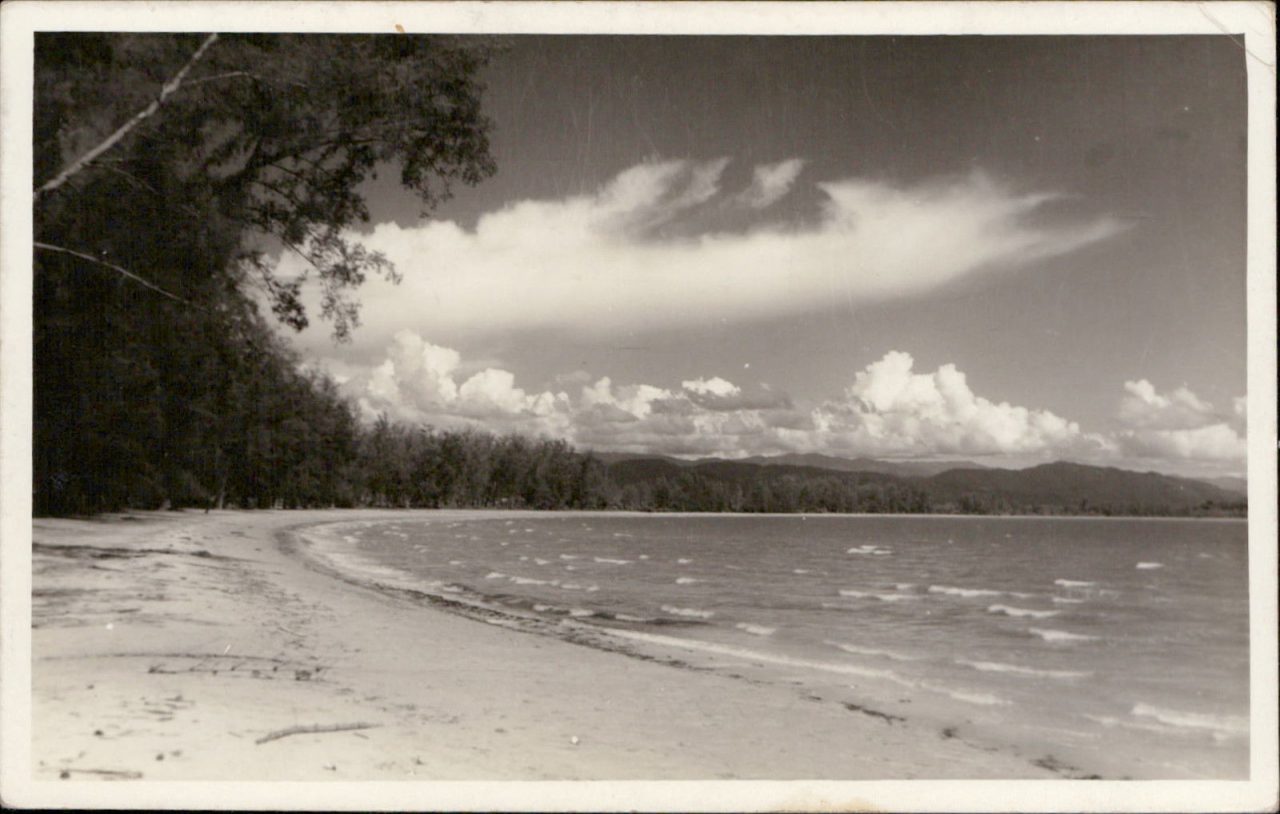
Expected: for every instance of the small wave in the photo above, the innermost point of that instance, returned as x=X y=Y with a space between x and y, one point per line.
x=869 y=651
x=882 y=597
x=684 y=561
x=1008 y=610
x=799 y=570
x=755 y=630
x=1074 y=583
x=1149 y=566
x=455 y=562
x=904 y=586
x=568 y=556
x=611 y=561
x=524 y=559
x=1224 y=725
x=541 y=608
x=687 y=580
x=495 y=575
x=1067 y=600
x=644 y=557
x=881 y=552
x=869 y=549
x=572 y=586
x=852 y=594
x=581 y=613
x=532 y=581
x=965 y=592
x=690 y=612
x=528 y=531
x=627 y=617
x=997 y=667
x=540 y=561
x=982 y=699
x=1056 y=636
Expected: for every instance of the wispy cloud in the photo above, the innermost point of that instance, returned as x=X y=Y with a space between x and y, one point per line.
x=594 y=264
x=770 y=183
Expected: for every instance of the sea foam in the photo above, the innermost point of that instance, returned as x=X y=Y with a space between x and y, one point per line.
x=1012 y=611
x=1059 y=636
x=965 y=592
x=998 y=667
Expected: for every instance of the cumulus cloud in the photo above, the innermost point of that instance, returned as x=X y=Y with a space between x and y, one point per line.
x=770 y=183
x=1180 y=425
x=887 y=409
x=597 y=264
x=891 y=409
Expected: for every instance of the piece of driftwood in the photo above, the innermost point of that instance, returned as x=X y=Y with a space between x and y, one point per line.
x=313 y=728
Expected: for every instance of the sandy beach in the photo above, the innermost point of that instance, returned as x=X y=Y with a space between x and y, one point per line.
x=192 y=646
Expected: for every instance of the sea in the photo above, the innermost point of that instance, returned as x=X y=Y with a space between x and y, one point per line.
x=1095 y=647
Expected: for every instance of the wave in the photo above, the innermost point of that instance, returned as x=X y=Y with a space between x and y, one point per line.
x=1149 y=566
x=1056 y=636
x=1067 y=600
x=611 y=561
x=1008 y=610
x=869 y=651
x=495 y=575
x=757 y=655
x=568 y=556
x=755 y=630
x=1074 y=583
x=982 y=699
x=1223 y=725
x=965 y=592
x=532 y=581
x=579 y=613
x=684 y=561
x=882 y=597
x=799 y=570
x=998 y=667
x=690 y=612
x=687 y=580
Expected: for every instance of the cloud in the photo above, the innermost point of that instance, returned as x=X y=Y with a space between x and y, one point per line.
x=770 y=183
x=597 y=265
x=888 y=409
x=1180 y=425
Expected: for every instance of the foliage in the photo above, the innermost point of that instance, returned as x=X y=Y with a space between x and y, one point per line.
x=155 y=377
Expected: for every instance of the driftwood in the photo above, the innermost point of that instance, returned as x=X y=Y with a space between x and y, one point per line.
x=307 y=730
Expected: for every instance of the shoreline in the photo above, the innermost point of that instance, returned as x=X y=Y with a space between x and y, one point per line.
x=164 y=646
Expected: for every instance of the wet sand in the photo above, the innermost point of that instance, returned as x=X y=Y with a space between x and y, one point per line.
x=193 y=646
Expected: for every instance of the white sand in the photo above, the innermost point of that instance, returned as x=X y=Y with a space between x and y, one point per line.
x=170 y=665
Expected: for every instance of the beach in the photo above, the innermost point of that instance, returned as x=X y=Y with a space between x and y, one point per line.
x=194 y=646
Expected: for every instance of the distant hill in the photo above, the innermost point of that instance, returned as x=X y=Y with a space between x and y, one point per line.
x=1072 y=485
x=1055 y=488
x=1239 y=486
x=899 y=468
x=810 y=460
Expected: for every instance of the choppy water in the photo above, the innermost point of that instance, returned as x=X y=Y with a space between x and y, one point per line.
x=1116 y=647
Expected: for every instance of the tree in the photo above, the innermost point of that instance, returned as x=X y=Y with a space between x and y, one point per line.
x=169 y=170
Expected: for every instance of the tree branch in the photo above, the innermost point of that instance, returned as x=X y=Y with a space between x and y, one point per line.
x=91 y=259
x=166 y=90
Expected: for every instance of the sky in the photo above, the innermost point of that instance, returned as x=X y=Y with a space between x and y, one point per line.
x=1007 y=250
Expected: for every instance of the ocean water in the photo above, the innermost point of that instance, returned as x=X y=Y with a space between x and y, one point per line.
x=1109 y=647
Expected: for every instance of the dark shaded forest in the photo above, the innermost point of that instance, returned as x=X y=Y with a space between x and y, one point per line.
x=170 y=171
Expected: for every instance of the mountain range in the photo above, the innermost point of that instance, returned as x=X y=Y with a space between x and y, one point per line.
x=1059 y=487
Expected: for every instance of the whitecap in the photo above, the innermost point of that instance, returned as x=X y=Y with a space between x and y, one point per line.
x=965 y=592
x=495 y=575
x=627 y=617
x=904 y=586
x=611 y=561
x=455 y=562
x=1074 y=583
x=1008 y=610
x=1149 y=566
x=580 y=613
x=800 y=570
x=691 y=612
x=1067 y=600
x=998 y=667
x=687 y=580
x=684 y=561
x=531 y=581
x=869 y=651
x=568 y=556
x=852 y=594
x=755 y=630
x=1057 y=636
x=1218 y=724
